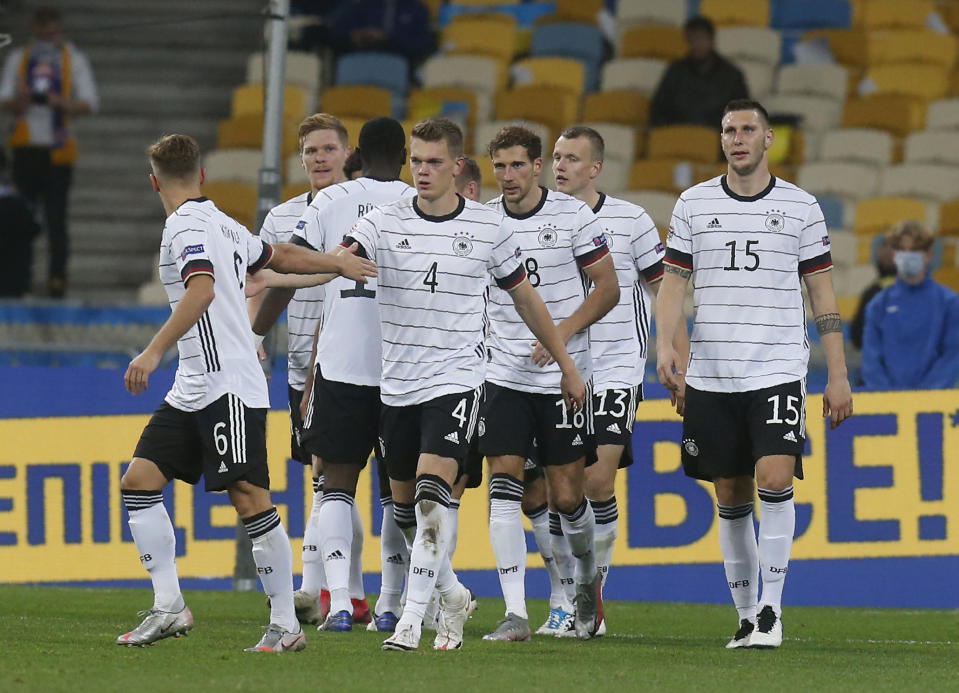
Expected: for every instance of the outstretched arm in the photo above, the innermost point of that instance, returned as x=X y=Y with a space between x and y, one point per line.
x=293 y=259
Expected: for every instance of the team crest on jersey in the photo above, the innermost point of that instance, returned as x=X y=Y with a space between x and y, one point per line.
x=691 y=448
x=481 y=427
x=191 y=250
x=548 y=236
x=609 y=239
x=775 y=221
x=462 y=245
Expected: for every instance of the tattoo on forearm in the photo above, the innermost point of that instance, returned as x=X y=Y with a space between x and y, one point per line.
x=830 y=322
x=673 y=269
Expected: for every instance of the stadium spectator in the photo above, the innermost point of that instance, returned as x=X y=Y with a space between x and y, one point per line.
x=44 y=85
x=16 y=234
x=743 y=423
x=695 y=89
x=392 y=26
x=886 y=270
x=911 y=336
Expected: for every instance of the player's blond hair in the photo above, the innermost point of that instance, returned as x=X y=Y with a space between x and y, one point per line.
x=922 y=238
x=323 y=121
x=436 y=129
x=175 y=156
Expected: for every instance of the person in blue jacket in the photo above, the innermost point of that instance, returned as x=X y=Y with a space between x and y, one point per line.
x=911 y=339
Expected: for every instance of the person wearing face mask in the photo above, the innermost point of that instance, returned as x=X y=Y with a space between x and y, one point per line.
x=44 y=85
x=911 y=338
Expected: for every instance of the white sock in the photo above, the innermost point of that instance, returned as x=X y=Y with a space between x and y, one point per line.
x=453 y=525
x=429 y=559
x=394 y=558
x=737 y=543
x=777 y=524
x=357 y=591
x=578 y=527
x=336 y=536
x=607 y=529
x=509 y=540
x=274 y=564
x=314 y=576
x=563 y=555
x=539 y=518
x=153 y=536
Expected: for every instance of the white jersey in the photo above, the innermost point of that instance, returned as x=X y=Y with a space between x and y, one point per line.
x=348 y=349
x=217 y=354
x=558 y=238
x=433 y=274
x=619 y=340
x=747 y=255
x=306 y=307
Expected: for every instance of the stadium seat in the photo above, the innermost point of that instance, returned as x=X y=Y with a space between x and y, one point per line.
x=620 y=140
x=248 y=98
x=492 y=35
x=925 y=47
x=246 y=131
x=385 y=70
x=234 y=199
x=614 y=176
x=898 y=114
x=357 y=101
x=621 y=106
x=759 y=76
x=302 y=68
x=291 y=190
x=571 y=40
x=943 y=115
x=949 y=218
x=641 y=74
x=552 y=106
x=877 y=214
x=846 y=180
x=666 y=175
x=736 y=12
x=925 y=181
x=932 y=146
x=652 y=41
x=478 y=72
x=948 y=276
x=816 y=112
x=486 y=131
x=758 y=43
x=568 y=73
x=893 y=14
x=233 y=165
x=629 y=12
x=810 y=14
x=584 y=11
x=659 y=205
x=864 y=145
x=826 y=80
x=686 y=142
x=848 y=46
x=843 y=247
x=832 y=211
x=457 y=103
x=927 y=82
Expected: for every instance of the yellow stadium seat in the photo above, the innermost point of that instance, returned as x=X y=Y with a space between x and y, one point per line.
x=248 y=98
x=247 y=131
x=898 y=114
x=877 y=214
x=893 y=14
x=652 y=41
x=928 y=82
x=434 y=7
x=575 y=11
x=687 y=142
x=553 y=106
x=620 y=106
x=736 y=12
x=913 y=47
x=291 y=190
x=493 y=35
x=567 y=73
x=357 y=101
x=949 y=219
x=848 y=305
x=948 y=276
x=237 y=200
x=655 y=174
x=849 y=46
x=432 y=101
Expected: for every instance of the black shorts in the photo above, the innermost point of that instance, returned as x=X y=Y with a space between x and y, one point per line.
x=473 y=465
x=443 y=426
x=223 y=442
x=296 y=426
x=512 y=420
x=532 y=471
x=614 y=412
x=725 y=433
x=342 y=421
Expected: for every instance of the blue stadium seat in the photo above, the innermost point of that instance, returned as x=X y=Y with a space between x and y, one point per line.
x=572 y=40
x=831 y=211
x=525 y=13
x=811 y=14
x=379 y=70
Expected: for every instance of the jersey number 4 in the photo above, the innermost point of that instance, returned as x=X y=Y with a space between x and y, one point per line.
x=430 y=278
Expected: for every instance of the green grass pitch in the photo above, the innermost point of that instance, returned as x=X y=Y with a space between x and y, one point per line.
x=62 y=639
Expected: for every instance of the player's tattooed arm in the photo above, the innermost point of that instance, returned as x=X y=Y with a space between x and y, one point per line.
x=828 y=322
x=674 y=269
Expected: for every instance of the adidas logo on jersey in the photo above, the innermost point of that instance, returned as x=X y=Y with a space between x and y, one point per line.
x=395 y=558
x=404 y=244
x=453 y=437
x=613 y=428
x=223 y=469
x=714 y=224
x=791 y=437
x=337 y=555
x=577 y=440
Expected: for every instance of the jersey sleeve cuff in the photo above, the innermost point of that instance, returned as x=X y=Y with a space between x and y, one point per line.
x=592 y=257
x=195 y=267
x=360 y=250
x=654 y=272
x=820 y=263
x=263 y=260
x=512 y=280
x=679 y=258
x=300 y=241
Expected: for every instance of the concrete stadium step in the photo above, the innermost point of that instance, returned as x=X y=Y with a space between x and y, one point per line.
x=166 y=99
x=105 y=237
